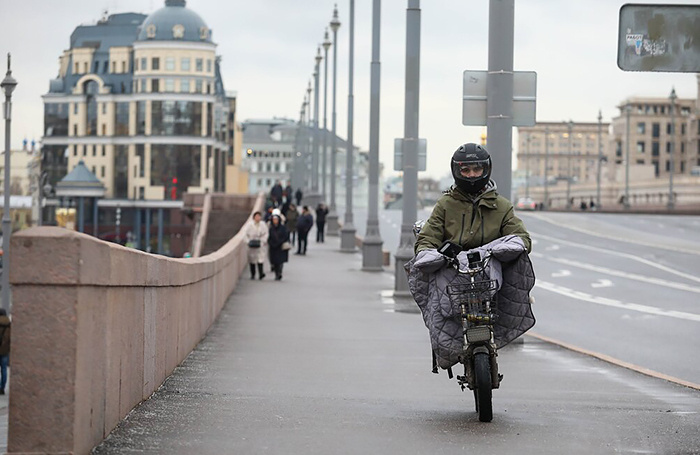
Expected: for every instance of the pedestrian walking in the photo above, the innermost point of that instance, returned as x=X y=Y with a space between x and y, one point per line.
x=256 y=235
x=321 y=212
x=278 y=240
x=288 y=193
x=276 y=193
x=304 y=225
x=298 y=195
x=292 y=217
x=4 y=348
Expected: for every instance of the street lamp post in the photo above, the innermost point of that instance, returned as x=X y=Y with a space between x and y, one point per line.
x=347 y=233
x=546 y=165
x=671 y=198
x=8 y=86
x=332 y=217
x=527 y=167
x=568 y=165
x=600 y=158
x=372 y=256
x=307 y=146
x=626 y=203
x=314 y=158
x=404 y=253
x=324 y=163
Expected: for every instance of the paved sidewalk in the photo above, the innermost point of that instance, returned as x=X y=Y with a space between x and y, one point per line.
x=320 y=363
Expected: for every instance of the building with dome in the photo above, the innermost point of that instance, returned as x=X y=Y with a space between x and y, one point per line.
x=140 y=100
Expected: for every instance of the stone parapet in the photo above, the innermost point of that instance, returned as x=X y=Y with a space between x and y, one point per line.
x=97 y=328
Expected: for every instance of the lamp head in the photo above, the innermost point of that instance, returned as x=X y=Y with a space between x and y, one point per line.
x=318 y=55
x=335 y=23
x=9 y=83
x=326 y=41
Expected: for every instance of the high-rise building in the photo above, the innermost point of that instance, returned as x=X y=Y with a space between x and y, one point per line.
x=140 y=100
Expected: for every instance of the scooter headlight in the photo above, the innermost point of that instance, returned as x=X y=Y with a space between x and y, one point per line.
x=478 y=334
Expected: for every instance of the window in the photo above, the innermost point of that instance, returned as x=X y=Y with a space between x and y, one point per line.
x=56 y=119
x=77 y=68
x=209 y=66
x=640 y=147
x=155 y=85
x=141 y=157
x=140 y=118
x=169 y=85
x=94 y=150
x=136 y=64
x=668 y=147
x=155 y=63
x=123 y=66
x=641 y=127
x=85 y=67
x=114 y=67
x=655 y=129
x=208 y=88
x=668 y=128
x=84 y=150
x=185 y=64
x=198 y=86
x=185 y=86
x=96 y=67
x=121 y=160
x=105 y=68
x=682 y=147
x=170 y=63
x=75 y=130
x=199 y=64
x=683 y=129
x=75 y=150
x=102 y=148
x=75 y=108
x=102 y=172
x=144 y=64
x=104 y=129
x=654 y=149
x=121 y=119
x=104 y=108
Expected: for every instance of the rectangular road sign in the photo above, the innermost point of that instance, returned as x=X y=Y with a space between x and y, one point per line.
x=663 y=38
x=398 y=153
x=474 y=98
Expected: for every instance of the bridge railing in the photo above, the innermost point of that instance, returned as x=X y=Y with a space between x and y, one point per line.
x=98 y=327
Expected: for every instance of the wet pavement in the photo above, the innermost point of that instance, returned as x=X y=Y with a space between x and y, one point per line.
x=321 y=363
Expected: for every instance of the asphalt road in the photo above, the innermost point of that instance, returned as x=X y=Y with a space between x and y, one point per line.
x=319 y=363
x=627 y=286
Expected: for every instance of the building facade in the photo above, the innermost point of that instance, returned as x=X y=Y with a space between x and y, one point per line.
x=140 y=100
x=566 y=150
x=648 y=123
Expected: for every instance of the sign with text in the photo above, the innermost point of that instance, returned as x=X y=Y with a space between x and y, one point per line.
x=664 y=38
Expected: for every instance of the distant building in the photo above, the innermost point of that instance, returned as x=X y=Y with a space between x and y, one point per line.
x=579 y=153
x=140 y=99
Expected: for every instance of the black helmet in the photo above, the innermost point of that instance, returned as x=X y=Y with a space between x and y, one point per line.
x=471 y=155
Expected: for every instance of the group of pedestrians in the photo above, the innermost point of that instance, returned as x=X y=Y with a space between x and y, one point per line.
x=272 y=235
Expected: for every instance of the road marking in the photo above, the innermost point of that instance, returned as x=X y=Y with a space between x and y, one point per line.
x=611 y=237
x=631 y=276
x=616 y=303
x=554 y=247
x=561 y=273
x=602 y=283
x=624 y=255
x=614 y=361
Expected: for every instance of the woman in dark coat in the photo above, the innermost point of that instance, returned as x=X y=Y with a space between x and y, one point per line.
x=278 y=236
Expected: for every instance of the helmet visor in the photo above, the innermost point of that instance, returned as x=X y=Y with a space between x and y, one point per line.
x=471 y=169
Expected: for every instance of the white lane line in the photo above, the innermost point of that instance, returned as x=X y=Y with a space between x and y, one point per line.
x=632 y=276
x=561 y=273
x=554 y=247
x=618 y=238
x=623 y=255
x=602 y=283
x=616 y=303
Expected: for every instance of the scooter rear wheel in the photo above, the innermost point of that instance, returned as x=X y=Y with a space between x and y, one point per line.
x=482 y=371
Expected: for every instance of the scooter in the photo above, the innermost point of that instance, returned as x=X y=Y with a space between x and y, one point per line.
x=476 y=296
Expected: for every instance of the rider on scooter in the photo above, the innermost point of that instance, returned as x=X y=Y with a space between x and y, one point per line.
x=471 y=213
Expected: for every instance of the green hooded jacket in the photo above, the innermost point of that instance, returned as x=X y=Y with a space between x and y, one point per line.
x=471 y=221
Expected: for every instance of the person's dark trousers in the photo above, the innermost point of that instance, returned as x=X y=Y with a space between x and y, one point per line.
x=277 y=268
x=320 y=226
x=301 y=249
x=260 y=271
x=4 y=361
x=292 y=237
x=252 y=271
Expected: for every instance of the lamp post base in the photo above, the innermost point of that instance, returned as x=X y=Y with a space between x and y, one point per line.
x=347 y=239
x=372 y=255
x=332 y=225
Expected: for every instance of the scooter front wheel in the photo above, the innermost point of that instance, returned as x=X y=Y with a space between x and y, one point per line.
x=482 y=371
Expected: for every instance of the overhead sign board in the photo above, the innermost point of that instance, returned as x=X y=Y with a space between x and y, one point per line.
x=663 y=38
x=474 y=98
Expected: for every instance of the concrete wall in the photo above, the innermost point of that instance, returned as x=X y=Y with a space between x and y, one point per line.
x=98 y=327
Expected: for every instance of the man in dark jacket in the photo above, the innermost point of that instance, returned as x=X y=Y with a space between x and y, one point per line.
x=4 y=348
x=304 y=225
x=276 y=194
x=321 y=212
x=298 y=195
x=471 y=213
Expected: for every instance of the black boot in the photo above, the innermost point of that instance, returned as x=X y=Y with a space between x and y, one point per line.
x=260 y=270
x=278 y=272
x=252 y=271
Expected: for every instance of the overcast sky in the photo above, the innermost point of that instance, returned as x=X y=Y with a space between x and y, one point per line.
x=268 y=48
